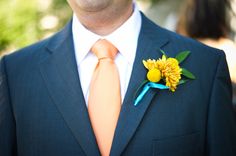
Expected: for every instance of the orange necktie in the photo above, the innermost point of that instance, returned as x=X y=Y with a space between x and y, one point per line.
x=104 y=101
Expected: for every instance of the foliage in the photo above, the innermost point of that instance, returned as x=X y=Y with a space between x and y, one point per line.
x=20 y=21
x=152 y=1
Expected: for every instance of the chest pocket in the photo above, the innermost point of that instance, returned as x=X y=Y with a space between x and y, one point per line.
x=185 y=145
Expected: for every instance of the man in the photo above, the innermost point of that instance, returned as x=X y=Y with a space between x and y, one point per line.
x=47 y=91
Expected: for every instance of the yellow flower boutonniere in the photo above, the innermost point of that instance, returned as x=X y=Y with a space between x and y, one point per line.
x=166 y=70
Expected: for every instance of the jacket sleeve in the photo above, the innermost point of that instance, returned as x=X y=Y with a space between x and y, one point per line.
x=221 y=125
x=7 y=123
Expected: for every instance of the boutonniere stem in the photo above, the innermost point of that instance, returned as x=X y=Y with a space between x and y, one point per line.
x=146 y=88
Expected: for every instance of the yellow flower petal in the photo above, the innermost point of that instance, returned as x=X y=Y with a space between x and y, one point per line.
x=170 y=71
x=163 y=57
x=149 y=64
x=165 y=68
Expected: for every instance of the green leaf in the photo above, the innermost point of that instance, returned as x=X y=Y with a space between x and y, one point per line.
x=163 y=52
x=182 y=56
x=187 y=74
x=182 y=81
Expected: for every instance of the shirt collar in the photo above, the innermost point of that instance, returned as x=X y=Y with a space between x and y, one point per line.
x=125 y=38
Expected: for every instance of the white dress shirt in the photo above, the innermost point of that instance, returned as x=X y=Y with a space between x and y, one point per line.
x=125 y=39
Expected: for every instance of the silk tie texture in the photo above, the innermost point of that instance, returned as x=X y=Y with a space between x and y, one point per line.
x=104 y=101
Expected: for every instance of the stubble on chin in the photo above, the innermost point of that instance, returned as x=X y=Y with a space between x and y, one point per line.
x=92 y=5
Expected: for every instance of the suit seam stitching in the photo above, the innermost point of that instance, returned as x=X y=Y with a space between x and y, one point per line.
x=211 y=94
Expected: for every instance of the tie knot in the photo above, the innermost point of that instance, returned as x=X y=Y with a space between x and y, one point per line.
x=104 y=49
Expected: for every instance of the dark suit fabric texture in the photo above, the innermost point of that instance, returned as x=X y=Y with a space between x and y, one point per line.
x=43 y=111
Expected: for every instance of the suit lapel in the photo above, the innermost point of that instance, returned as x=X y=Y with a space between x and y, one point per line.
x=59 y=71
x=151 y=39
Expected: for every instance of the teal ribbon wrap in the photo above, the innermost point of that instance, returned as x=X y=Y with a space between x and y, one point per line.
x=145 y=90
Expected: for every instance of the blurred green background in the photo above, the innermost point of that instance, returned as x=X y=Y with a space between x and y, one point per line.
x=23 y=22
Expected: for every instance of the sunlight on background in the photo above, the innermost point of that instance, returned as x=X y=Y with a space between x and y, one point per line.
x=24 y=22
x=233 y=21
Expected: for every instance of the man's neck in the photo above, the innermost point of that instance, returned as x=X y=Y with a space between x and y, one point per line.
x=105 y=21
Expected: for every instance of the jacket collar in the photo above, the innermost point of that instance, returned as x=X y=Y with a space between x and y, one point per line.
x=59 y=71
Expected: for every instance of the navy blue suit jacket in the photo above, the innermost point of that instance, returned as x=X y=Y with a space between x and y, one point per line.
x=43 y=111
